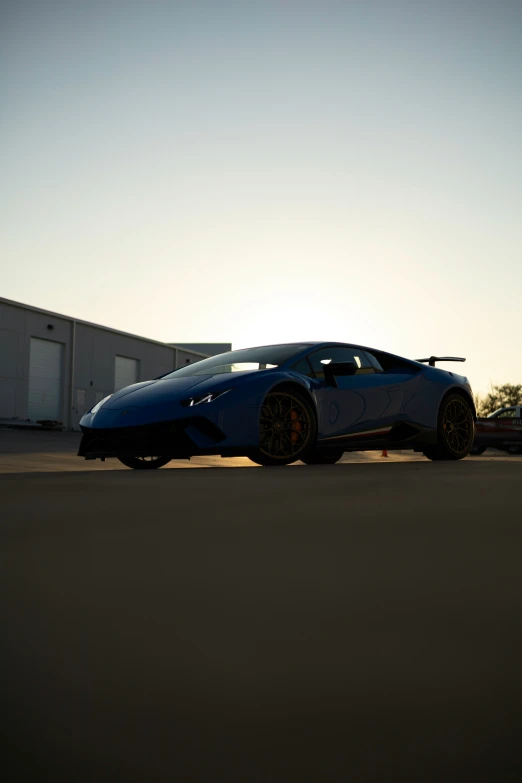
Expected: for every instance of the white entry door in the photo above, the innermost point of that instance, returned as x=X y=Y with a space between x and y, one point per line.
x=125 y=372
x=45 y=380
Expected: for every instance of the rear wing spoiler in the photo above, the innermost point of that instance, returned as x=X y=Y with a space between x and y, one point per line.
x=432 y=359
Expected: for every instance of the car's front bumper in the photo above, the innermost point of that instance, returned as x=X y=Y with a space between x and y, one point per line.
x=180 y=439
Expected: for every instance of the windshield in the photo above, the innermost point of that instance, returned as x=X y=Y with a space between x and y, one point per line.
x=248 y=359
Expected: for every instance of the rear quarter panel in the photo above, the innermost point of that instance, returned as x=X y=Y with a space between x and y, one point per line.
x=422 y=402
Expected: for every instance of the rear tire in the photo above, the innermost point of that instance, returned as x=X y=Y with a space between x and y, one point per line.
x=144 y=463
x=326 y=457
x=455 y=429
x=478 y=452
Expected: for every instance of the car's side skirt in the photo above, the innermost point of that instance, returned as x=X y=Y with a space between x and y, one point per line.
x=397 y=435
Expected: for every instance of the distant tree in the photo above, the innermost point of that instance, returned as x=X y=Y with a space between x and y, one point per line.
x=499 y=397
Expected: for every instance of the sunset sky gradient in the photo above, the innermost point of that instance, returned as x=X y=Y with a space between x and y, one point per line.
x=262 y=172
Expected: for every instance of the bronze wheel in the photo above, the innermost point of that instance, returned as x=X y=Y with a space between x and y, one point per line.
x=287 y=428
x=458 y=425
x=456 y=429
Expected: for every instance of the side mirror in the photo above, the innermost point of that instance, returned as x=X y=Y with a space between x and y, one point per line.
x=338 y=369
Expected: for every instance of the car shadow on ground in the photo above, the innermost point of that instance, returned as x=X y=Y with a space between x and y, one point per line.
x=342 y=469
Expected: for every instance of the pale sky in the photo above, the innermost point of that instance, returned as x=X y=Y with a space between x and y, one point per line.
x=268 y=171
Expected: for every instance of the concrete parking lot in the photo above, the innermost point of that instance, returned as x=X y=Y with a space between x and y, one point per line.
x=351 y=622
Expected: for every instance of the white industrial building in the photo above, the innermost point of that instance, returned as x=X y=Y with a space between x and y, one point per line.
x=55 y=368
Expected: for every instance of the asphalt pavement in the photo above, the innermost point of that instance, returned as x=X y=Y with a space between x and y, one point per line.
x=355 y=622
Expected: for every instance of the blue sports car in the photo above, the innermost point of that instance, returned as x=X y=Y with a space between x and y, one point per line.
x=281 y=403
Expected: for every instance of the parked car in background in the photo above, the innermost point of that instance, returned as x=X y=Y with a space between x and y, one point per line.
x=500 y=430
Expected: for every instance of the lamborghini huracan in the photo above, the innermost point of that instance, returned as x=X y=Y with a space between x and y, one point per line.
x=278 y=404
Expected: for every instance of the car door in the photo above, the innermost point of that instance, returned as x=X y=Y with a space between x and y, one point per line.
x=508 y=430
x=368 y=402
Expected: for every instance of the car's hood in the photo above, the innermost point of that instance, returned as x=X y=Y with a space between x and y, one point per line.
x=141 y=395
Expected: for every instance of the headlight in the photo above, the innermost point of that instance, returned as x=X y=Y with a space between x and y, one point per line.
x=99 y=404
x=203 y=398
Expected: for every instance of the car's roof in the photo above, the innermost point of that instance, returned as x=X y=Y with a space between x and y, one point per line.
x=307 y=344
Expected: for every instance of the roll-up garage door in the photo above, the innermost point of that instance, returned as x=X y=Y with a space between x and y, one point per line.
x=125 y=372
x=45 y=380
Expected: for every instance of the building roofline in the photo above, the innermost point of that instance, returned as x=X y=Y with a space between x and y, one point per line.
x=97 y=326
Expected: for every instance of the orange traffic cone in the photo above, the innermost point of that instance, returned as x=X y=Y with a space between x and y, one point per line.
x=384 y=453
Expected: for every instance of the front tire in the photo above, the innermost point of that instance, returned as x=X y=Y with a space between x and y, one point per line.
x=325 y=457
x=144 y=463
x=455 y=429
x=287 y=428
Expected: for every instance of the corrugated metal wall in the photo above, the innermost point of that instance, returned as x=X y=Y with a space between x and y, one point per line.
x=41 y=381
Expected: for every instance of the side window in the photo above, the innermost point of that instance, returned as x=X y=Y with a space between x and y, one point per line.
x=303 y=367
x=510 y=413
x=374 y=363
x=339 y=353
